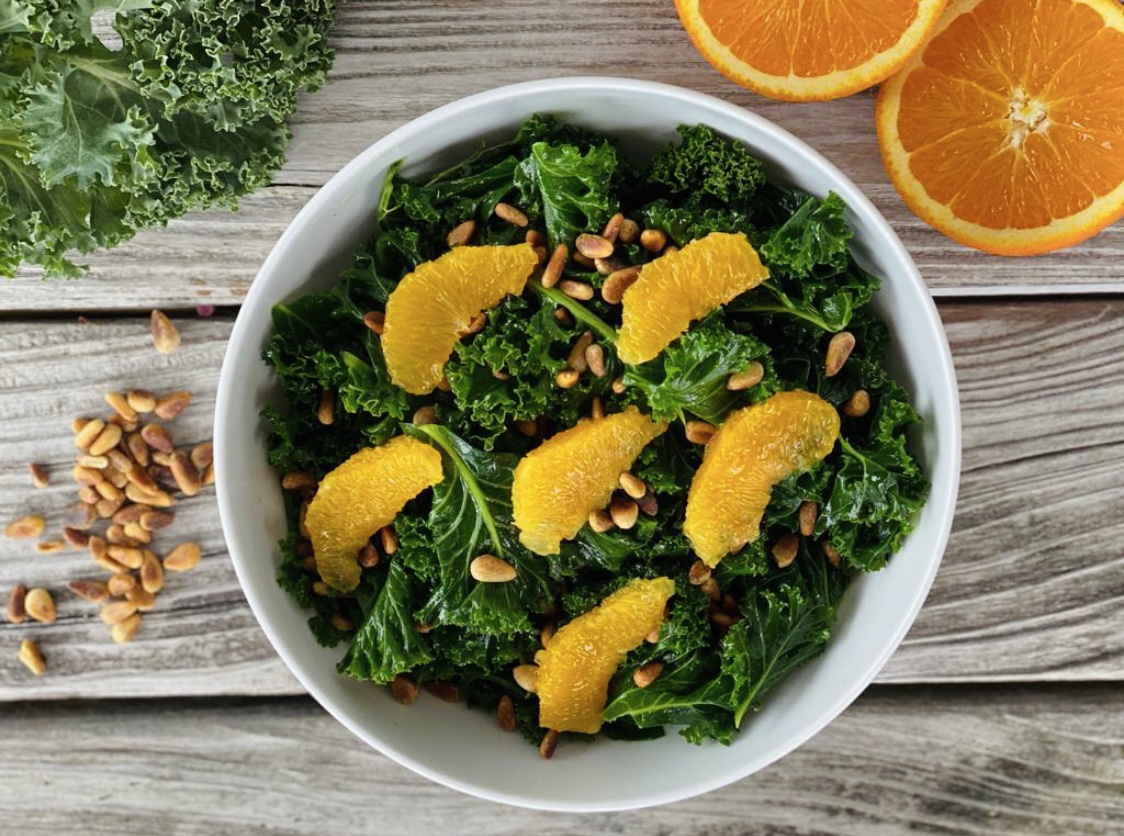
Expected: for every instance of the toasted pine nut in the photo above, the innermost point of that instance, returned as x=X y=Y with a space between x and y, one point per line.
x=834 y=557
x=32 y=658
x=527 y=427
x=128 y=556
x=584 y=261
x=488 y=568
x=653 y=240
x=342 y=622
x=202 y=454
x=593 y=246
x=576 y=359
x=747 y=379
x=138 y=476
x=710 y=589
x=595 y=359
x=107 y=439
x=596 y=409
x=566 y=379
x=723 y=621
x=39 y=604
x=108 y=563
x=186 y=476
x=16 y=611
x=76 y=537
x=630 y=231
x=505 y=714
x=25 y=527
x=670 y=249
x=141 y=598
x=617 y=282
x=50 y=546
x=475 y=325
x=164 y=334
x=507 y=212
x=461 y=234
x=106 y=508
x=87 y=475
x=838 y=350
x=298 y=479
x=633 y=485
x=120 y=404
x=612 y=228
x=320 y=588
x=564 y=317
x=699 y=573
x=858 y=404
x=535 y=238
x=785 y=549
x=404 y=689
x=368 y=557
x=93 y=591
x=141 y=400
x=109 y=491
x=183 y=558
x=39 y=476
x=576 y=290
x=135 y=532
x=807 y=515
x=90 y=431
x=157 y=499
x=527 y=677
x=624 y=513
x=326 y=410
x=209 y=474
x=425 y=415
x=119 y=584
x=443 y=690
x=618 y=386
x=645 y=676
x=549 y=744
x=601 y=521
x=553 y=270
x=547 y=632
x=171 y=405
x=375 y=321
x=700 y=432
x=138 y=448
x=118 y=460
x=125 y=631
x=157 y=437
x=388 y=540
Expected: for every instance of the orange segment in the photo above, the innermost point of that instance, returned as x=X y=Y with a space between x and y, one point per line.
x=1006 y=131
x=802 y=51
x=580 y=659
x=431 y=307
x=757 y=447
x=683 y=286
x=361 y=496
x=572 y=474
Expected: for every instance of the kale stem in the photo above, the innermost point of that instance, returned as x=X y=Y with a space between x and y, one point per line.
x=581 y=313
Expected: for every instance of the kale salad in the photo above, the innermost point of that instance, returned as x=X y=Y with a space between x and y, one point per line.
x=418 y=616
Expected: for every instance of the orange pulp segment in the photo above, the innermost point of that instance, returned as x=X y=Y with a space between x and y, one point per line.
x=361 y=496
x=431 y=306
x=757 y=447
x=580 y=659
x=572 y=474
x=683 y=286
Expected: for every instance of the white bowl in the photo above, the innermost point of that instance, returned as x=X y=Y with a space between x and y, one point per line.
x=462 y=748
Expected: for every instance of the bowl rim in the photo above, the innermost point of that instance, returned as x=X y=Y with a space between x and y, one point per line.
x=856 y=201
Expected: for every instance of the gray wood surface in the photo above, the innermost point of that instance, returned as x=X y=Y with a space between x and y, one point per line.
x=1029 y=589
x=398 y=60
x=963 y=761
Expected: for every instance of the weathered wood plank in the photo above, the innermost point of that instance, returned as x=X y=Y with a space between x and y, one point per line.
x=1029 y=589
x=398 y=60
x=1006 y=761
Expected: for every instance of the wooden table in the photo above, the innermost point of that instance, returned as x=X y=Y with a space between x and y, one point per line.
x=1001 y=712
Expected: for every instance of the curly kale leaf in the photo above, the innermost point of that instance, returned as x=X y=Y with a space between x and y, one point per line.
x=707 y=168
x=388 y=642
x=572 y=191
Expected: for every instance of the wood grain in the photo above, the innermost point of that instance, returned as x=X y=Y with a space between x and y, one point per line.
x=961 y=761
x=397 y=60
x=1029 y=588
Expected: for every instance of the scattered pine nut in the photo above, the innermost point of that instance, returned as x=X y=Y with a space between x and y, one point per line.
x=596 y=409
x=507 y=212
x=648 y=504
x=39 y=604
x=645 y=676
x=157 y=499
x=566 y=379
x=375 y=321
x=404 y=689
x=202 y=455
x=747 y=379
x=50 y=546
x=171 y=405
x=425 y=415
x=87 y=475
x=834 y=557
x=553 y=270
x=584 y=261
x=785 y=549
x=15 y=611
x=721 y=620
x=612 y=228
x=838 y=350
x=388 y=540
x=326 y=410
x=138 y=448
x=527 y=677
x=32 y=658
x=141 y=598
x=93 y=591
x=617 y=282
x=76 y=537
x=564 y=317
x=528 y=427
x=535 y=238
x=700 y=432
x=475 y=325
x=624 y=513
x=576 y=359
x=461 y=234
x=183 y=558
x=89 y=432
x=298 y=479
x=109 y=491
x=125 y=631
x=342 y=622
x=164 y=334
x=128 y=556
x=505 y=714
x=443 y=690
x=141 y=400
x=320 y=588
x=488 y=568
x=710 y=589
x=595 y=359
x=670 y=249
x=653 y=240
x=120 y=404
x=120 y=584
x=858 y=404
x=25 y=527
x=593 y=246
x=633 y=485
x=576 y=290
x=549 y=744
x=618 y=386
x=93 y=462
x=185 y=473
x=157 y=437
x=107 y=439
x=368 y=557
x=699 y=573
x=117 y=611
x=629 y=232
x=547 y=632
x=39 y=476
x=807 y=515
x=601 y=521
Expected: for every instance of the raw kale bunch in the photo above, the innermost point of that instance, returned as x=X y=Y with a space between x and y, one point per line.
x=182 y=108
x=418 y=612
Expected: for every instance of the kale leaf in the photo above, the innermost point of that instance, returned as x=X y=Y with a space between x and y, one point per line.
x=707 y=168
x=571 y=190
x=388 y=642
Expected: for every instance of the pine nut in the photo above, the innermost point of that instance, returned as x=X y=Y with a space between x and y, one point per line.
x=549 y=744
x=88 y=495
x=785 y=549
x=425 y=415
x=342 y=622
x=488 y=568
x=505 y=714
x=528 y=427
x=648 y=504
x=87 y=475
x=595 y=359
x=553 y=270
x=202 y=455
x=106 y=562
x=89 y=432
x=547 y=632
x=607 y=266
x=128 y=556
x=32 y=658
x=858 y=405
x=157 y=437
x=624 y=513
x=76 y=537
x=137 y=534
x=645 y=676
x=120 y=404
x=125 y=631
x=535 y=238
x=164 y=334
x=320 y=588
x=527 y=677
x=670 y=249
x=507 y=212
x=404 y=689
x=601 y=521
x=171 y=405
x=326 y=410
x=807 y=515
x=298 y=479
x=16 y=611
x=39 y=476
x=138 y=448
x=157 y=499
x=443 y=385
x=388 y=540
x=834 y=557
x=140 y=477
x=107 y=439
x=39 y=604
x=700 y=432
x=593 y=246
x=375 y=322
x=699 y=573
x=576 y=359
x=141 y=598
x=183 y=558
x=368 y=557
x=653 y=240
x=141 y=400
x=596 y=409
x=186 y=476
x=115 y=535
x=583 y=261
x=633 y=485
x=630 y=231
x=50 y=546
x=617 y=282
x=118 y=585
x=618 y=386
x=106 y=508
x=109 y=491
x=116 y=478
x=475 y=325
x=461 y=234
x=93 y=591
x=722 y=620
x=209 y=474
x=710 y=589
x=566 y=379
x=747 y=379
x=444 y=691
x=838 y=350
x=564 y=317
x=148 y=518
x=576 y=290
x=612 y=228
x=26 y=527
x=118 y=460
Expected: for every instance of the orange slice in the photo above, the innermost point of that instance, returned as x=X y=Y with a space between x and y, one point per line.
x=802 y=51
x=572 y=474
x=683 y=286
x=430 y=307
x=361 y=496
x=580 y=659
x=757 y=447
x=1006 y=132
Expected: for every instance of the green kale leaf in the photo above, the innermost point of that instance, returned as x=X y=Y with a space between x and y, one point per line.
x=707 y=168
x=572 y=192
x=388 y=642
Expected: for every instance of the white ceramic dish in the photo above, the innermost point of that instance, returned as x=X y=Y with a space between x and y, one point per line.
x=462 y=748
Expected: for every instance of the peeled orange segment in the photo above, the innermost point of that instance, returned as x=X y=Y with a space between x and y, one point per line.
x=361 y=496
x=802 y=51
x=580 y=659
x=572 y=474
x=1006 y=132
x=757 y=447
x=683 y=286
x=430 y=307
